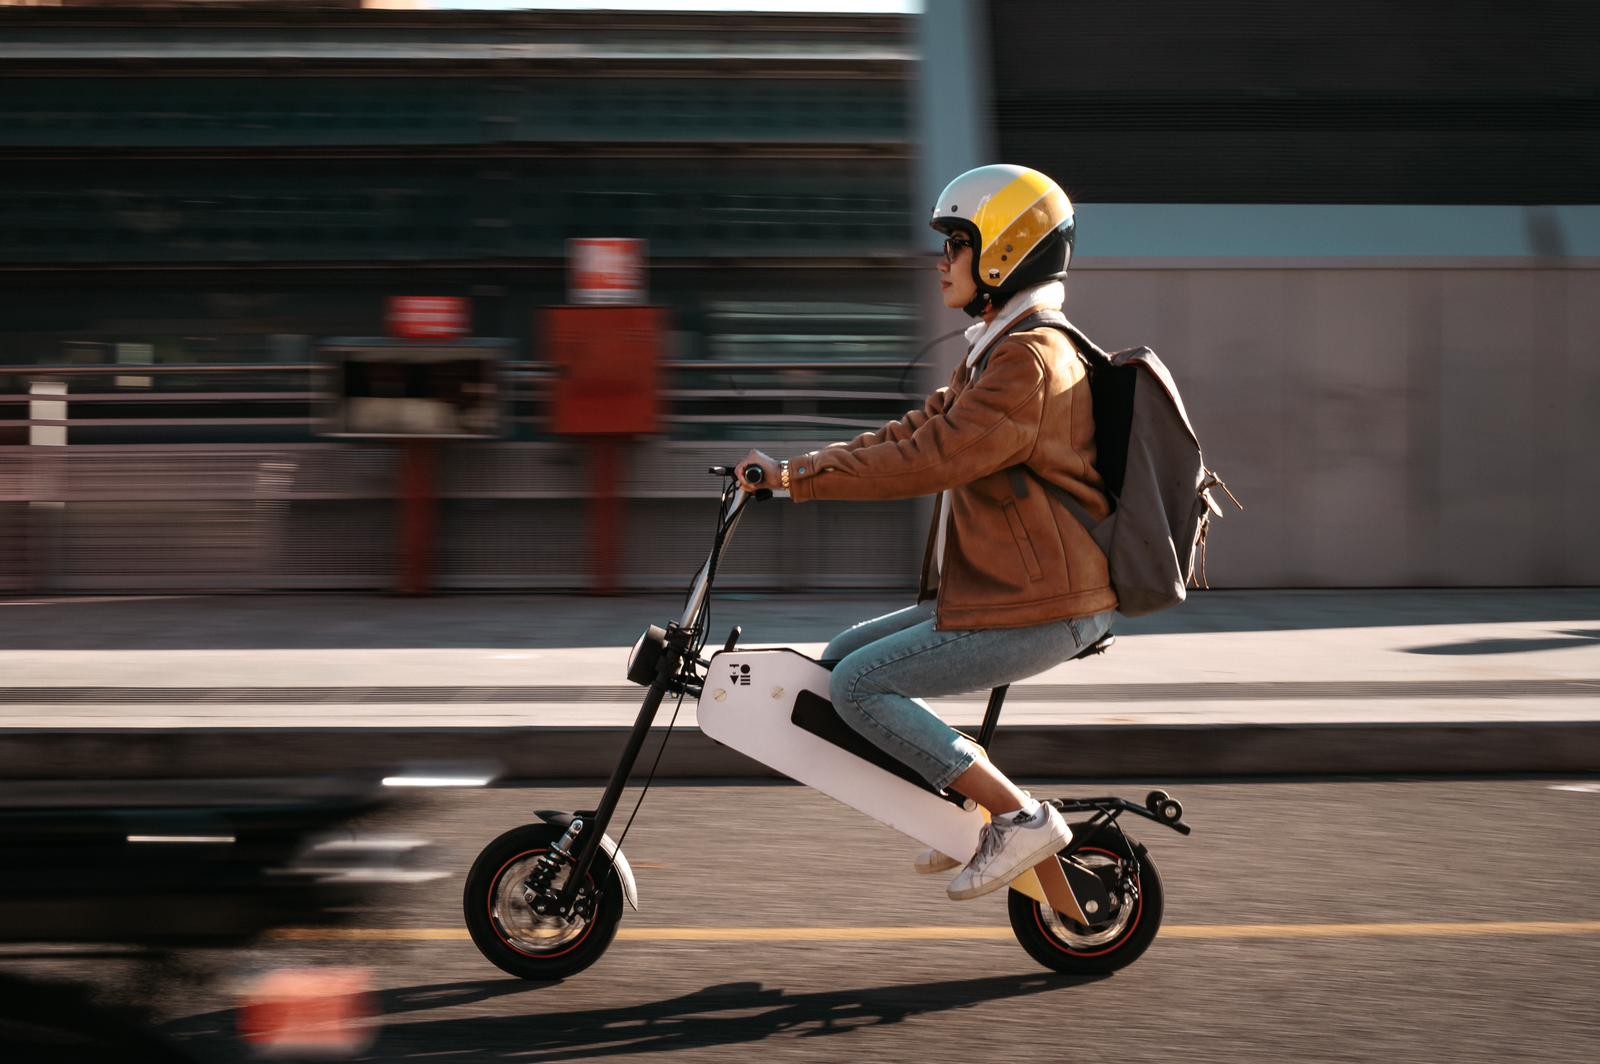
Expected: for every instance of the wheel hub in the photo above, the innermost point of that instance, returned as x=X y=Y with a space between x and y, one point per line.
x=511 y=906
x=1124 y=898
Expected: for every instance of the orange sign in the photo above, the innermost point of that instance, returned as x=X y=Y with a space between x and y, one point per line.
x=608 y=271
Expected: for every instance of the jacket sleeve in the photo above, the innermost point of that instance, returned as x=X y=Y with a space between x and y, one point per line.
x=902 y=429
x=992 y=424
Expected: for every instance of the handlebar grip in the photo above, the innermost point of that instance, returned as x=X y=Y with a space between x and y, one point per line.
x=754 y=475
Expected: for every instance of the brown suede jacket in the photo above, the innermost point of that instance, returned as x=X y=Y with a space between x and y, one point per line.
x=1014 y=555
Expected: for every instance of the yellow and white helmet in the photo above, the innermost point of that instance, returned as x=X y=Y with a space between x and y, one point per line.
x=1021 y=225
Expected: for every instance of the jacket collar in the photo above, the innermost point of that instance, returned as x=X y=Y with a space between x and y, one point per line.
x=1051 y=295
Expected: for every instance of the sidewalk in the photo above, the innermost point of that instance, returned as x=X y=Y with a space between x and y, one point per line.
x=1230 y=683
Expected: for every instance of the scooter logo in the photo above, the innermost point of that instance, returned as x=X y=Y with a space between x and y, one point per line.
x=740 y=675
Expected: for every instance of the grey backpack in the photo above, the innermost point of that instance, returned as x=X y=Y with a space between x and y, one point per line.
x=1149 y=457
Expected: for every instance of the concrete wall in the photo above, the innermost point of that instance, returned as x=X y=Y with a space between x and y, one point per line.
x=1387 y=424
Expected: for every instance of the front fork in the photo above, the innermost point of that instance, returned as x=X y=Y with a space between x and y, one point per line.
x=588 y=829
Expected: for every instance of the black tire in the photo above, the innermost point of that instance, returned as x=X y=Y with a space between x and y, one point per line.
x=1071 y=948
x=506 y=931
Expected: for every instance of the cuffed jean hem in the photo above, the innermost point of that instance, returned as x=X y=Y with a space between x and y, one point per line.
x=966 y=756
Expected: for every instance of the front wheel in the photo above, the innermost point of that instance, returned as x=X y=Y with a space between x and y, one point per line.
x=1059 y=942
x=510 y=934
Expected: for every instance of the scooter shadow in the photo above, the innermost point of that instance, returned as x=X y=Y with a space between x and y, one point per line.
x=721 y=1015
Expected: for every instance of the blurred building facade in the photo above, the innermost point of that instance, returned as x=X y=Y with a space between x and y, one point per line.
x=192 y=197
x=1365 y=236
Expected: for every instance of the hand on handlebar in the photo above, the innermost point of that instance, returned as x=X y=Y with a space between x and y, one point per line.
x=769 y=475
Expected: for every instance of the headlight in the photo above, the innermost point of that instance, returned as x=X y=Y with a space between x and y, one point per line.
x=645 y=657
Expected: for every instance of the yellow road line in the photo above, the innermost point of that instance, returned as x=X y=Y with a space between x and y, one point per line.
x=1203 y=932
x=811 y=934
x=1471 y=929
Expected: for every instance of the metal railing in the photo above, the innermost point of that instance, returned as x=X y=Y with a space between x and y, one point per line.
x=528 y=385
x=511 y=516
x=220 y=514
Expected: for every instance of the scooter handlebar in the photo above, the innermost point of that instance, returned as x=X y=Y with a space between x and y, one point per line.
x=752 y=475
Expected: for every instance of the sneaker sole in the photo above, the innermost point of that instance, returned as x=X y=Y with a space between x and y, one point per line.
x=968 y=893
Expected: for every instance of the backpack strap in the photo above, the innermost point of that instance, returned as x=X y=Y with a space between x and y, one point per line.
x=1088 y=350
x=1065 y=498
x=1093 y=356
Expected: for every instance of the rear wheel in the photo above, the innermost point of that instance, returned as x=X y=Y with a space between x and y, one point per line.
x=1059 y=942
x=511 y=935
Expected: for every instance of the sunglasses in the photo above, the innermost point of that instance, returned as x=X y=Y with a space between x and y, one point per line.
x=953 y=246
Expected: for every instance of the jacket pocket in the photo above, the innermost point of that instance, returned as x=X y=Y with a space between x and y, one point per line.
x=1030 y=560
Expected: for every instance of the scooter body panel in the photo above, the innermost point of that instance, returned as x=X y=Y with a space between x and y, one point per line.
x=749 y=703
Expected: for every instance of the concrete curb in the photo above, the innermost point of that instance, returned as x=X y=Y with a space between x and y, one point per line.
x=1032 y=751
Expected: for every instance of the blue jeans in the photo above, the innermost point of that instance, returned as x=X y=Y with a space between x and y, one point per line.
x=890 y=663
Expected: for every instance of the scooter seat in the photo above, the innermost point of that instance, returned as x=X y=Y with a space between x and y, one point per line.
x=818 y=716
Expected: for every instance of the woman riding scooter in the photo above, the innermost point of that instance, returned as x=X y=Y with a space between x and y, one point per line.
x=1012 y=583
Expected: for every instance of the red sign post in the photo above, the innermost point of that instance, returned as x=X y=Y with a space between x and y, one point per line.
x=422 y=318
x=608 y=349
x=607 y=389
x=608 y=363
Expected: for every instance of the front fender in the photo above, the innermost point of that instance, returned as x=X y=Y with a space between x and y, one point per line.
x=619 y=860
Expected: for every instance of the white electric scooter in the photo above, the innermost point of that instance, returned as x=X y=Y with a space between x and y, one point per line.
x=543 y=901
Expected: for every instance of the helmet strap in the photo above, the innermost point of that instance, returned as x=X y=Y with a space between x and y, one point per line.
x=977 y=305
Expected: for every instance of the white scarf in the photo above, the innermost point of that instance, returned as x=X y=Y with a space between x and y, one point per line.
x=1051 y=295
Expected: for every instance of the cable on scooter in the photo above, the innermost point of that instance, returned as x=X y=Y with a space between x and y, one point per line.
x=717 y=538
x=694 y=652
x=717 y=542
x=651 y=777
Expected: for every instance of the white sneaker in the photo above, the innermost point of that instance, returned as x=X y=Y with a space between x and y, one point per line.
x=1006 y=849
x=932 y=862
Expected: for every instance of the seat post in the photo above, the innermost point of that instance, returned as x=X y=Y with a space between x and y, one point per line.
x=991 y=715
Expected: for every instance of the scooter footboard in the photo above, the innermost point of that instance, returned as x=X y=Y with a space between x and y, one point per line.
x=764 y=704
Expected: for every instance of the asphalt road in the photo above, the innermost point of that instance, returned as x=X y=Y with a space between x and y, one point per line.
x=1422 y=921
